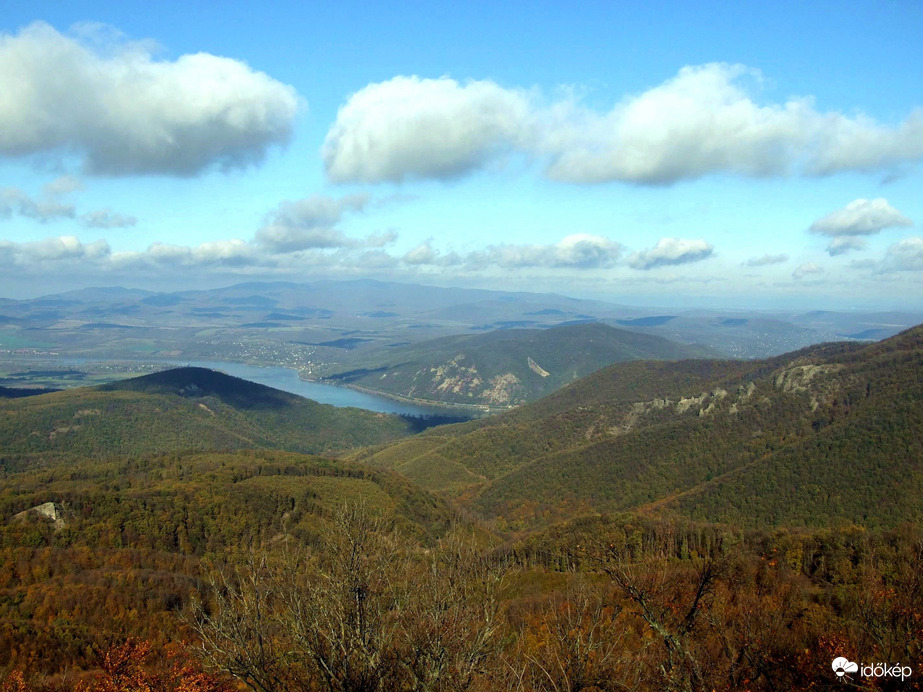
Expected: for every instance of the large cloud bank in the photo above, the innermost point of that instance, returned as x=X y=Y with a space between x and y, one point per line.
x=302 y=234
x=704 y=120
x=124 y=112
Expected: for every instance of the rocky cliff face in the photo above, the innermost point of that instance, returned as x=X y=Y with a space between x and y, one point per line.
x=459 y=381
x=47 y=510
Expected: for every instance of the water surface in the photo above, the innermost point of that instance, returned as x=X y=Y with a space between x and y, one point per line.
x=288 y=380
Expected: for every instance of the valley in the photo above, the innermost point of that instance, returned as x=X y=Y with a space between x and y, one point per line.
x=390 y=338
x=790 y=485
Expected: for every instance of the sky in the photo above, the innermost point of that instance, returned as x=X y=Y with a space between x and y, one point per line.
x=735 y=155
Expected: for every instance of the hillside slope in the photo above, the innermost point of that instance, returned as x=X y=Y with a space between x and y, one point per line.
x=504 y=367
x=180 y=410
x=133 y=536
x=823 y=436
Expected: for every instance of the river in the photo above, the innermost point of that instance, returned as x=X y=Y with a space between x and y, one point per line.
x=288 y=380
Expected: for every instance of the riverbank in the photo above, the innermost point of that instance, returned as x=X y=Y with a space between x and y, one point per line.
x=481 y=409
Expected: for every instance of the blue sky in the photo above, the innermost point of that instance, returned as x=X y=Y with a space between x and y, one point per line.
x=724 y=154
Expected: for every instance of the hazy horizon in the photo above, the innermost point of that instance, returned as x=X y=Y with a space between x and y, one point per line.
x=729 y=304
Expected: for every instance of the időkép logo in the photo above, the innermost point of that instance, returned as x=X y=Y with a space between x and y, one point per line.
x=843 y=666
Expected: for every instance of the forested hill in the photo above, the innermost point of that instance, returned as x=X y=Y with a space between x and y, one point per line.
x=181 y=410
x=824 y=436
x=505 y=367
x=201 y=382
x=112 y=497
x=20 y=392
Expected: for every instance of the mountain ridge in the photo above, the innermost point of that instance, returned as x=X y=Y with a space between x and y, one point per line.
x=700 y=439
x=505 y=367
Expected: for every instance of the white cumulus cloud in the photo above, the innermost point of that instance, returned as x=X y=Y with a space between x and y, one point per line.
x=310 y=223
x=706 y=120
x=14 y=201
x=63 y=185
x=53 y=249
x=843 y=244
x=50 y=207
x=860 y=217
x=766 y=260
x=701 y=121
x=905 y=255
x=807 y=269
x=578 y=251
x=862 y=144
x=106 y=218
x=222 y=253
x=409 y=127
x=671 y=251
x=127 y=113
x=425 y=254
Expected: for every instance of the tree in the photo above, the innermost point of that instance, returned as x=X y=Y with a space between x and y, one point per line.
x=576 y=643
x=451 y=627
x=125 y=669
x=239 y=628
x=344 y=614
x=365 y=611
x=671 y=609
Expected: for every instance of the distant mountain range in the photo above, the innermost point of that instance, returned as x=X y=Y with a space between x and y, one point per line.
x=828 y=435
x=331 y=324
